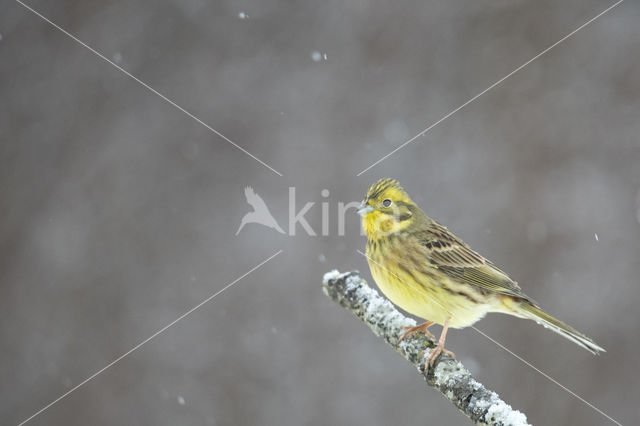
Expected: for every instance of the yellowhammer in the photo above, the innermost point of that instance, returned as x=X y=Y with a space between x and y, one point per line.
x=429 y=272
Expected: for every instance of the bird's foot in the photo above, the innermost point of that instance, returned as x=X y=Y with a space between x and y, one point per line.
x=435 y=353
x=422 y=328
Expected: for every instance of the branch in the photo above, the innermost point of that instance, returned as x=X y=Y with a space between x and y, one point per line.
x=449 y=377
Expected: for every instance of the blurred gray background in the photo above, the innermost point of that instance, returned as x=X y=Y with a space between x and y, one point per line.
x=118 y=212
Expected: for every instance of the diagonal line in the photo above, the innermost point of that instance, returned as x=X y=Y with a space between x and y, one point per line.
x=146 y=86
x=497 y=343
x=548 y=376
x=422 y=133
x=142 y=343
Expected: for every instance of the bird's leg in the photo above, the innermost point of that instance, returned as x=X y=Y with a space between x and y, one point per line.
x=422 y=328
x=435 y=352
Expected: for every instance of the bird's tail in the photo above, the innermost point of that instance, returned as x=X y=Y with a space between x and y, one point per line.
x=531 y=311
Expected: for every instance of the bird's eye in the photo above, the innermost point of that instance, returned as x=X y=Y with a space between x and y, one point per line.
x=386 y=202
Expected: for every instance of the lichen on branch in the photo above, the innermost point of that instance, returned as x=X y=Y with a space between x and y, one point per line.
x=449 y=377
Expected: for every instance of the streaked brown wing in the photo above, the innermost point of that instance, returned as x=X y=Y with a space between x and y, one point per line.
x=456 y=259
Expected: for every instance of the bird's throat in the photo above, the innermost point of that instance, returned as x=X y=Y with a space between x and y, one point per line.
x=378 y=225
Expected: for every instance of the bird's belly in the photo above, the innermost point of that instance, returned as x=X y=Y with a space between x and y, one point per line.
x=430 y=299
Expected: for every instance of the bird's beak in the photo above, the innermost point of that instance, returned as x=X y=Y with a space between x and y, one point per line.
x=364 y=209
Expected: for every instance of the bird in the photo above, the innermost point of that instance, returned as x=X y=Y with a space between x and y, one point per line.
x=260 y=213
x=425 y=269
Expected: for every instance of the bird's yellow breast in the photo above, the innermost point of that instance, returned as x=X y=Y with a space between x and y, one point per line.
x=418 y=288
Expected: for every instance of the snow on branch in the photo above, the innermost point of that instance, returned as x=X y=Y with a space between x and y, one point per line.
x=449 y=377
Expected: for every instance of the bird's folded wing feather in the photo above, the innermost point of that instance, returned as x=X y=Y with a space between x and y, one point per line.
x=453 y=257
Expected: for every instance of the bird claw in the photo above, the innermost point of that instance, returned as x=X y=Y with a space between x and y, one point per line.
x=422 y=328
x=434 y=354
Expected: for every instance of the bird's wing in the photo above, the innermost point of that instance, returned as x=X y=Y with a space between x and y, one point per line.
x=254 y=199
x=249 y=194
x=453 y=257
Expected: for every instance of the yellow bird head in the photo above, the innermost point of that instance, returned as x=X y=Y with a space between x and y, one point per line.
x=386 y=209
